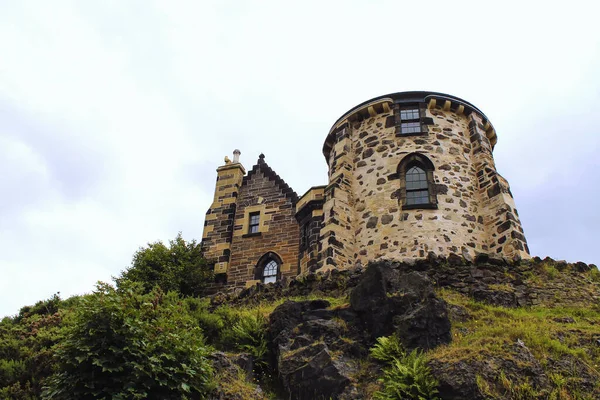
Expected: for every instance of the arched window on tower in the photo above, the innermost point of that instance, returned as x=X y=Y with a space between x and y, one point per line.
x=417 y=188
x=268 y=268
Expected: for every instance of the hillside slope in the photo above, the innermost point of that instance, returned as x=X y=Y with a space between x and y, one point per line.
x=433 y=328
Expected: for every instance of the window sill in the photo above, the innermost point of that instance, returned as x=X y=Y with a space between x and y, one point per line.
x=429 y=206
x=247 y=235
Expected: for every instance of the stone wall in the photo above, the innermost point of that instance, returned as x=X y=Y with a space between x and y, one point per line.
x=218 y=223
x=263 y=191
x=364 y=216
x=338 y=243
x=309 y=214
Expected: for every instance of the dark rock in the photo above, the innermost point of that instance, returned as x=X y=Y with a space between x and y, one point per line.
x=495 y=297
x=372 y=222
x=386 y=219
x=312 y=373
x=581 y=267
x=455 y=259
x=481 y=258
x=388 y=300
x=564 y=320
x=225 y=362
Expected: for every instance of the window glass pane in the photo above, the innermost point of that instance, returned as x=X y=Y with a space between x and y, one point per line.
x=409 y=114
x=270 y=272
x=417 y=197
x=253 y=228
x=410 y=127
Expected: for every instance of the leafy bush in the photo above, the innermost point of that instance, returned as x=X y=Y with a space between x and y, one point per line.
x=249 y=334
x=126 y=344
x=405 y=375
x=387 y=349
x=26 y=347
x=178 y=267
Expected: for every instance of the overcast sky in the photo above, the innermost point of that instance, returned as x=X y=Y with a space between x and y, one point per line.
x=115 y=114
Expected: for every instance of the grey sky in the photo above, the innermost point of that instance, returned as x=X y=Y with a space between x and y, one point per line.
x=115 y=114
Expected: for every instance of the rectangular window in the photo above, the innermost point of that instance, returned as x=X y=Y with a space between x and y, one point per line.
x=410 y=121
x=409 y=114
x=410 y=127
x=254 y=222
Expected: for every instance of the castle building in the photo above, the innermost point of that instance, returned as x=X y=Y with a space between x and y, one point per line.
x=409 y=173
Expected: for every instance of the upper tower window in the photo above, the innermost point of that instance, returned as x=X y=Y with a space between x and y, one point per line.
x=417 y=188
x=410 y=120
x=254 y=222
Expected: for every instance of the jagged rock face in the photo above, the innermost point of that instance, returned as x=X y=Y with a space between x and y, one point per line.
x=317 y=349
x=312 y=346
x=458 y=378
x=389 y=301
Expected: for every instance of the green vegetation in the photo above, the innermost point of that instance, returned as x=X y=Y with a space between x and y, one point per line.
x=150 y=336
x=560 y=336
x=179 y=267
x=122 y=343
x=405 y=375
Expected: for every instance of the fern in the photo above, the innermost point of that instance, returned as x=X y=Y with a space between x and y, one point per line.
x=405 y=376
x=387 y=349
x=250 y=335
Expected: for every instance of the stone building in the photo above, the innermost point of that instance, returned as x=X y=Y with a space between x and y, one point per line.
x=409 y=173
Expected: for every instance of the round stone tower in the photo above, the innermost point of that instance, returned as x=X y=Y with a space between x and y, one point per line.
x=412 y=173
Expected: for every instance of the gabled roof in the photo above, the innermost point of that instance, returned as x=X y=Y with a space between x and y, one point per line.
x=268 y=172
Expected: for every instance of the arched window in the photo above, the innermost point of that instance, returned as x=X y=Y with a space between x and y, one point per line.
x=417 y=189
x=268 y=268
x=270 y=272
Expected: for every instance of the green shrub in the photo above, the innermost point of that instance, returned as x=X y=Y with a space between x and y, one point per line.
x=250 y=335
x=178 y=267
x=11 y=371
x=405 y=375
x=124 y=344
x=387 y=349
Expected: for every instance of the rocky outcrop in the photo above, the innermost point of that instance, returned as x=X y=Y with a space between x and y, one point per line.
x=389 y=301
x=486 y=278
x=317 y=349
x=313 y=348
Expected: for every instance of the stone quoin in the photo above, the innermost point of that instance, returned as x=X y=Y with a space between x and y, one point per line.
x=409 y=173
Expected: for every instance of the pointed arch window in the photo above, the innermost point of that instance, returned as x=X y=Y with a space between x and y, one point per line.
x=417 y=188
x=270 y=272
x=268 y=268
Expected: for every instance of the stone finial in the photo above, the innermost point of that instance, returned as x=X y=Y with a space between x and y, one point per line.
x=236 y=156
x=227 y=160
x=261 y=158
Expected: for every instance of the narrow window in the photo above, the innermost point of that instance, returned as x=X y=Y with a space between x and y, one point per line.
x=254 y=222
x=417 y=185
x=305 y=236
x=270 y=272
x=410 y=121
x=417 y=189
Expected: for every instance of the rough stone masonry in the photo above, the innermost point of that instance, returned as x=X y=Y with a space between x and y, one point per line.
x=409 y=173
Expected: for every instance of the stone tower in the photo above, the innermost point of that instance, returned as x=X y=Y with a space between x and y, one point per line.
x=412 y=173
x=409 y=173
